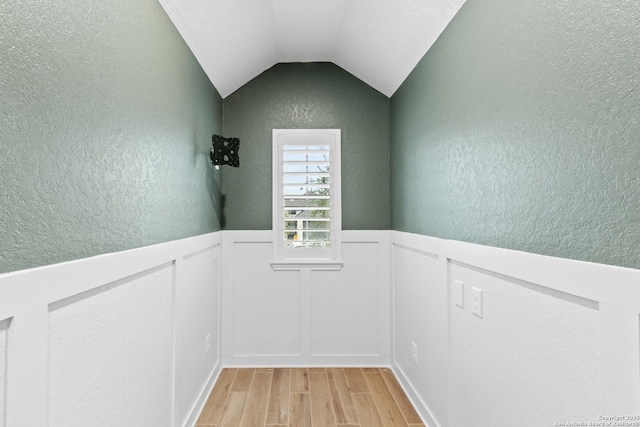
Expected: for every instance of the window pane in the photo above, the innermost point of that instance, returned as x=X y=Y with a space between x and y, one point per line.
x=306 y=157
x=317 y=224
x=290 y=225
x=307 y=179
x=306 y=147
x=316 y=236
x=295 y=190
x=294 y=201
x=305 y=167
x=323 y=224
x=296 y=244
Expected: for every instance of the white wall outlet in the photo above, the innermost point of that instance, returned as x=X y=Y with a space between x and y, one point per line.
x=207 y=344
x=457 y=292
x=476 y=302
x=414 y=352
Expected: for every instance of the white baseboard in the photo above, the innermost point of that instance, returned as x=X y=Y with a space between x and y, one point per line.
x=198 y=406
x=310 y=361
x=420 y=406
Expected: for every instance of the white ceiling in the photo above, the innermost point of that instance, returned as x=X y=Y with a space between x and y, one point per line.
x=378 y=41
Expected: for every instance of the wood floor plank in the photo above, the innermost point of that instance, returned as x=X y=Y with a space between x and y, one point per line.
x=300 y=410
x=356 y=381
x=314 y=397
x=341 y=397
x=299 y=380
x=255 y=411
x=278 y=409
x=366 y=410
x=321 y=406
x=233 y=409
x=400 y=397
x=213 y=407
x=243 y=380
x=386 y=405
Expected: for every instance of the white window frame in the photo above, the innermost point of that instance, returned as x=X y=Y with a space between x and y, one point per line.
x=314 y=258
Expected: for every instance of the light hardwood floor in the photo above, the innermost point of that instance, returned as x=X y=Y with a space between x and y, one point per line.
x=313 y=397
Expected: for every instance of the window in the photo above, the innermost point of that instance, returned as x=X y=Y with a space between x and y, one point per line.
x=306 y=198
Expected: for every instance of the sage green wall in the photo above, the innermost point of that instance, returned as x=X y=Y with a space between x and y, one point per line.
x=309 y=95
x=520 y=128
x=105 y=123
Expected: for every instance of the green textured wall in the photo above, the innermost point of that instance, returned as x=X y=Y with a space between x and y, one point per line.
x=309 y=95
x=105 y=122
x=520 y=128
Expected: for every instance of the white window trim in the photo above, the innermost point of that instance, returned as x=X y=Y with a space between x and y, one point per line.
x=306 y=258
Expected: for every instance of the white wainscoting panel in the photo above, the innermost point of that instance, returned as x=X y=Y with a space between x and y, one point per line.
x=305 y=317
x=3 y=366
x=197 y=315
x=345 y=304
x=534 y=350
x=111 y=354
x=94 y=338
x=116 y=339
x=266 y=311
x=420 y=317
x=558 y=340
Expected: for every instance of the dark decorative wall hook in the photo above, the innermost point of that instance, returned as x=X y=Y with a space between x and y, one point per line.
x=225 y=151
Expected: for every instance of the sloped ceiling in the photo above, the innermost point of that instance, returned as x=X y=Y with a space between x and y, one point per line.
x=378 y=41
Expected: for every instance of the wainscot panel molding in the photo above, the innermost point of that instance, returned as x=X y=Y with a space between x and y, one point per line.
x=555 y=340
x=497 y=334
x=305 y=317
x=119 y=337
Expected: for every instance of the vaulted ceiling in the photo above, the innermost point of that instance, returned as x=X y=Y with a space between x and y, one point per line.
x=378 y=41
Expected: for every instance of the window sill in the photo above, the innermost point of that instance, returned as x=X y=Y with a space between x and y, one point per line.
x=318 y=265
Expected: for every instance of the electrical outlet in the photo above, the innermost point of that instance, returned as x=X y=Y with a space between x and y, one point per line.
x=207 y=344
x=414 y=352
x=476 y=302
x=458 y=293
